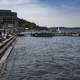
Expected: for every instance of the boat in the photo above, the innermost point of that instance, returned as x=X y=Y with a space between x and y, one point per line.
x=20 y=34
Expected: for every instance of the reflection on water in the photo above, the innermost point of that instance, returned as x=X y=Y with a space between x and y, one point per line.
x=32 y=58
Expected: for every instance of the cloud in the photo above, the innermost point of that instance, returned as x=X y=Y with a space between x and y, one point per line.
x=16 y=2
x=34 y=11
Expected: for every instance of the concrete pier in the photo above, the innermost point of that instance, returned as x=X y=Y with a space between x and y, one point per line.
x=5 y=49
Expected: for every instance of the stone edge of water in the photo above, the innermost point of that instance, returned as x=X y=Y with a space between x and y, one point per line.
x=5 y=56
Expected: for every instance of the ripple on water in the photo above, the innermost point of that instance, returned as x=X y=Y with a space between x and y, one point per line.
x=56 y=58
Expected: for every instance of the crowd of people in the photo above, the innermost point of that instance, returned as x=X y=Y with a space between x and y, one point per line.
x=4 y=35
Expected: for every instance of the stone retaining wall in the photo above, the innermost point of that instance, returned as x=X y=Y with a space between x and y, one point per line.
x=5 y=50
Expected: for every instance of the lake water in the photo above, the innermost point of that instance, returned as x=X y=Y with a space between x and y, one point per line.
x=55 y=58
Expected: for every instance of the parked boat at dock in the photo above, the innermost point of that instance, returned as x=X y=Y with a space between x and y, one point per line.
x=20 y=34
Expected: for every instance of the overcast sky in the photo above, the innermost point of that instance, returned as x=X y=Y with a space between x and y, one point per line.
x=46 y=12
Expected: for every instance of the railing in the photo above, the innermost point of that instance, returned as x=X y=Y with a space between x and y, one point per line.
x=5 y=45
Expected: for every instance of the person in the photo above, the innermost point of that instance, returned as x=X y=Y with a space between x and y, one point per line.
x=0 y=36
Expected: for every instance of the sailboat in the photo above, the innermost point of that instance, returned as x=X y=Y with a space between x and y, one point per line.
x=59 y=31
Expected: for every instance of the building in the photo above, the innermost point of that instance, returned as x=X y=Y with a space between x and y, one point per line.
x=8 y=20
x=70 y=29
x=7 y=17
x=8 y=23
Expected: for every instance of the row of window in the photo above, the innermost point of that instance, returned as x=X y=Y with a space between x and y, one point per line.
x=8 y=19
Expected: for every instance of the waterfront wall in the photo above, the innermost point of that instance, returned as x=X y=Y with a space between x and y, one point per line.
x=5 y=50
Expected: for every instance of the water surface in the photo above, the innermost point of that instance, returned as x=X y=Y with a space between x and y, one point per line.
x=56 y=58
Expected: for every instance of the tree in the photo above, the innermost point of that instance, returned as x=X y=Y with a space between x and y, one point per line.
x=30 y=25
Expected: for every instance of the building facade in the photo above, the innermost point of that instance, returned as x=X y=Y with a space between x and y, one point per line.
x=8 y=20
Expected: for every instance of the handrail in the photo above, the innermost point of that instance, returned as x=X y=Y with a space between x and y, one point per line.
x=5 y=45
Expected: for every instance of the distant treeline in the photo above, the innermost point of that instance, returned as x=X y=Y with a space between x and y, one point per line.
x=30 y=25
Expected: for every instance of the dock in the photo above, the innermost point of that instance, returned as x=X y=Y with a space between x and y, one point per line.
x=48 y=34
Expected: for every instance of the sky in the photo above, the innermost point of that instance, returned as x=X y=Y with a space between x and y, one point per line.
x=50 y=13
